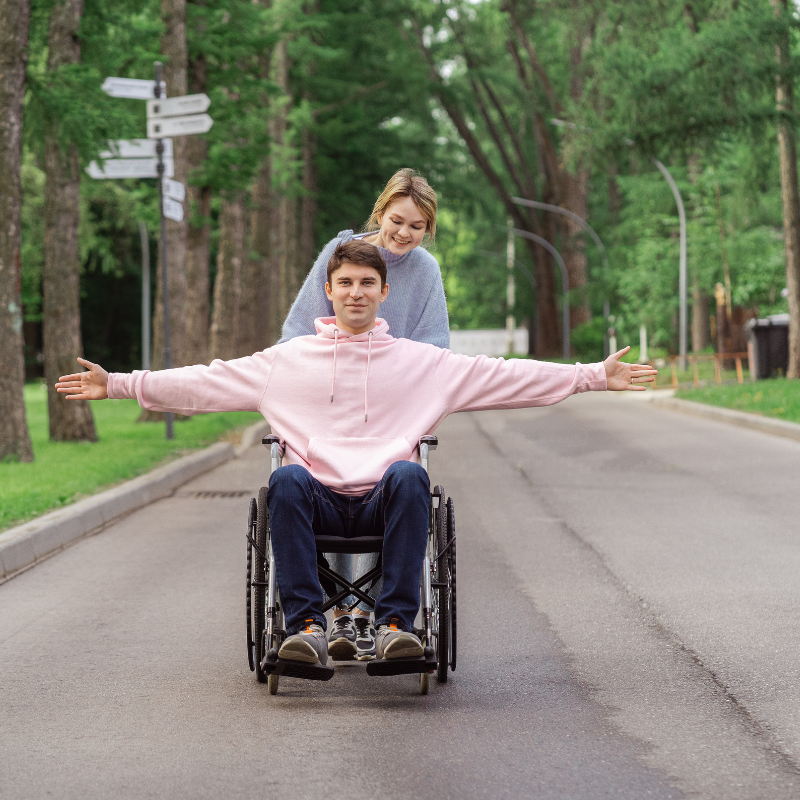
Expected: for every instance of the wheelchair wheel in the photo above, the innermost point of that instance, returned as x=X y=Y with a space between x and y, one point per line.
x=260 y=582
x=251 y=532
x=272 y=683
x=451 y=540
x=424 y=683
x=442 y=591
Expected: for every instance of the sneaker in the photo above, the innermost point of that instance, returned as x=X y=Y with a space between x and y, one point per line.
x=365 y=639
x=392 y=642
x=309 y=645
x=342 y=639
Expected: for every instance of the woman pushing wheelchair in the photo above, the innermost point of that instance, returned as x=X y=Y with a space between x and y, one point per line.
x=402 y=220
x=350 y=404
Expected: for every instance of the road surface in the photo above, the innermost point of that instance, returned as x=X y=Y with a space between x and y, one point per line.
x=629 y=595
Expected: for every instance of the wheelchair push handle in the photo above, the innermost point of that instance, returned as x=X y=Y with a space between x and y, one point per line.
x=275 y=450
x=426 y=444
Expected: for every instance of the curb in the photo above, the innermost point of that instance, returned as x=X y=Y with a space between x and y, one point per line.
x=776 y=427
x=24 y=546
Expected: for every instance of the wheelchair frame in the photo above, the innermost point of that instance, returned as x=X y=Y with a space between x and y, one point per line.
x=265 y=630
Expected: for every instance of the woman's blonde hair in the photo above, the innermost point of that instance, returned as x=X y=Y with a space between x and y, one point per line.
x=406 y=183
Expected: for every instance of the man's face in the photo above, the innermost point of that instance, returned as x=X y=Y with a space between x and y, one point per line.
x=356 y=294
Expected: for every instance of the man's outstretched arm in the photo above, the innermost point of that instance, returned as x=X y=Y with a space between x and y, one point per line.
x=237 y=385
x=481 y=383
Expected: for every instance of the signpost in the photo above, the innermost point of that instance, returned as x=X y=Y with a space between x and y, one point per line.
x=173 y=209
x=135 y=148
x=178 y=126
x=129 y=168
x=153 y=158
x=174 y=189
x=131 y=88
x=177 y=106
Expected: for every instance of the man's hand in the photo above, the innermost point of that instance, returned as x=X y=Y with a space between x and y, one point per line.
x=623 y=377
x=91 y=385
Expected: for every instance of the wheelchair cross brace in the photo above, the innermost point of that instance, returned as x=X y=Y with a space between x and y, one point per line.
x=349 y=588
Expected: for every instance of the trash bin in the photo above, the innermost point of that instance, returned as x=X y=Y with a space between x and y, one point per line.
x=768 y=345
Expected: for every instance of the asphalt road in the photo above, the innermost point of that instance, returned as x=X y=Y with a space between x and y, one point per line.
x=629 y=580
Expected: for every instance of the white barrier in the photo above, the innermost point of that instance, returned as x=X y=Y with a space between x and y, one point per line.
x=488 y=342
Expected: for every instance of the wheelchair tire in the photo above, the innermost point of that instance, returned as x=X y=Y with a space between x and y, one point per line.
x=451 y=540
x=442 y=575
x=424 y=683
x=260 y=579
x=251 y=532
x=272 y=683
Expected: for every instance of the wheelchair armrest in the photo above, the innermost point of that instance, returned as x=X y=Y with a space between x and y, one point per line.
x=271 y=439
x=431 y=441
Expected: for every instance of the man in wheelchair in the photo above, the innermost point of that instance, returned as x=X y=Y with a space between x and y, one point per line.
x=350 y=405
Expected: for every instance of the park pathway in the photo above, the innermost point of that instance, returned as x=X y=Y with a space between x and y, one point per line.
x=629 y=627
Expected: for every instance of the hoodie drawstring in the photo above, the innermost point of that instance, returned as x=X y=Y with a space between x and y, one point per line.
x=366 y=376
x=333 y=374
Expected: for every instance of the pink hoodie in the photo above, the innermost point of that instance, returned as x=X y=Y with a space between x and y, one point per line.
x=348 y=406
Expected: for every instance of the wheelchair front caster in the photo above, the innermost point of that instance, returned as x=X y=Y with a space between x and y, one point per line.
x=272 y=683
x=424 y=683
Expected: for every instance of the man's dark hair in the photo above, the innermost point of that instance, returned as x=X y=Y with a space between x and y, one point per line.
x=359 y=253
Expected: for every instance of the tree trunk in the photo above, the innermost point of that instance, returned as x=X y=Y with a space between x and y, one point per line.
x=575 y=191
x=250 y=338
x=198 y=209
x=308 y=206
x=261 y=255
x=284 y=244
x=225 y=320
x=700 y=330
x=790 y=197
x=15 y=442
x=548 y=320
x=173 y=46
x=70 y=420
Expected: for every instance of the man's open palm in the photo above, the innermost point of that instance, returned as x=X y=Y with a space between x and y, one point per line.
x=91 y=385
x=622 y=377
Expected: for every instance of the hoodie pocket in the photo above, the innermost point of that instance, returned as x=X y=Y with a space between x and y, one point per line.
x=354 y=465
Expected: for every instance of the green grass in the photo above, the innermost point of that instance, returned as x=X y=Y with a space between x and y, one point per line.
x=65 y=472
x=777 y=397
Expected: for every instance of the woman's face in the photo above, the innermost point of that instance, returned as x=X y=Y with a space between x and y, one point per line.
x=402 y=227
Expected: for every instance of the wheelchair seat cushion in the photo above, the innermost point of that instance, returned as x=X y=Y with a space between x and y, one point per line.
x=340 y=544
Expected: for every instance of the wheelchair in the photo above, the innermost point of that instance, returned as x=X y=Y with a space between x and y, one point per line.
x=437 y=615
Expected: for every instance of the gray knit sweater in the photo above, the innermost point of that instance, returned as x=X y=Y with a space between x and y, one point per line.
x=415 y=308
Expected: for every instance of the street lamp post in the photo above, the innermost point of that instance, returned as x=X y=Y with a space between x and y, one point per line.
x=682 y=282
x=564 y=284
x=523 y=201
x=168 y=416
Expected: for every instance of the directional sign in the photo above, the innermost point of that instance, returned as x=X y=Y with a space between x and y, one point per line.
x=178 y=126
x=186 y=104
x=135 y=148
x=173 y=210
x=130 y=168
x=132 y=88
x=174 y=189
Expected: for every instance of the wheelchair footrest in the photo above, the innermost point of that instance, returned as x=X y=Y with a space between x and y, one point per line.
x=297 y=669
x=401 y=666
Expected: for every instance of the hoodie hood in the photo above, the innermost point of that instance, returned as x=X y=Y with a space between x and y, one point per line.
x=327 y=329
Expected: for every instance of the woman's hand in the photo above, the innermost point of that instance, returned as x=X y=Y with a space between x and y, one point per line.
x=91 y=385
x=623 y=377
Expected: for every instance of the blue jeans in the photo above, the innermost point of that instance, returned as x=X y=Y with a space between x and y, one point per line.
x=397 y=508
